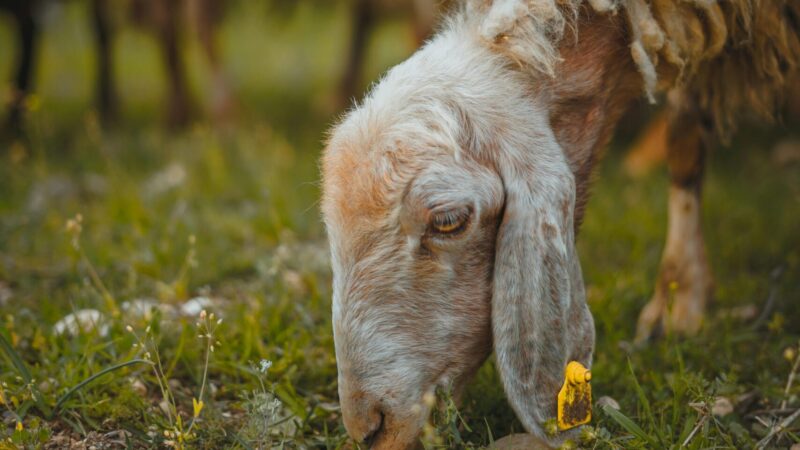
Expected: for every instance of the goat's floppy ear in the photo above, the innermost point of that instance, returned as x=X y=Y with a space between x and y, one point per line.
x=527 y=31
x=540 y=319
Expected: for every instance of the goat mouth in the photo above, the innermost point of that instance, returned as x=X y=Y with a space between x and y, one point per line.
x=372 y=437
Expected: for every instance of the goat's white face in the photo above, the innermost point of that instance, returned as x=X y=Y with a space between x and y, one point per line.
x=412 y=287
x=448 y=205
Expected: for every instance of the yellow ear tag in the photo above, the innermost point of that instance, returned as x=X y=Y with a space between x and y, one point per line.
x=575 y=397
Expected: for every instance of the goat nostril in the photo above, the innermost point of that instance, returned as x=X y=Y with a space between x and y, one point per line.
x=369 y=438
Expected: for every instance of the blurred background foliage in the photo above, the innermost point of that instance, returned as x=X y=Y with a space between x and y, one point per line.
x=219 y=213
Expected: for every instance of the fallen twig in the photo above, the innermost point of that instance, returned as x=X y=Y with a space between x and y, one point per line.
x=763 y=422
x=776 y=429
x=772 y=412
x=696 y=428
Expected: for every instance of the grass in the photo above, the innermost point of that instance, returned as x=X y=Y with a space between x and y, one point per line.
x=226 y=220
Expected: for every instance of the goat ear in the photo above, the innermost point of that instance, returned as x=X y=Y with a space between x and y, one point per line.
x=540 y=319
x=526 y=31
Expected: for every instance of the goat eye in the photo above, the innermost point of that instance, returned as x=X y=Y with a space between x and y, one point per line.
x=450 y=222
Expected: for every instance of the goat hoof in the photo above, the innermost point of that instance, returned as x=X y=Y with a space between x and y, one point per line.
x=678 y=310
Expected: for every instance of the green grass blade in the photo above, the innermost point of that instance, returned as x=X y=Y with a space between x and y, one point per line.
x=629 y=425
x=19 y=364
x=88 y=380
x=238 y=439
x=489 y=432
x=15 y=359
x=646 y=405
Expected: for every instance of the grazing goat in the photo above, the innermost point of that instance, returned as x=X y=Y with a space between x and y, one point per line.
x=453 y=193
x=24 y=14
x=365 y=14
x=165 y=20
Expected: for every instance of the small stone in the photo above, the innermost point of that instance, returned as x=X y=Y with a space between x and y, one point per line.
x=606 y=401
x=165 y=406
x=722 y=407
x=138 y=386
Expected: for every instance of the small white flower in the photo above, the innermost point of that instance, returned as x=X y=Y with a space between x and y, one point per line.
x=168 y=178
x=82 y=321
x=145 y=308
x=195 y=306
x=265 y=364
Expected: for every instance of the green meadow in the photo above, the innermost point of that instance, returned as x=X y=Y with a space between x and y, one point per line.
x=202 y=261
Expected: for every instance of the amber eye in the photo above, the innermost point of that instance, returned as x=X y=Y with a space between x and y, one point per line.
x=450 y=222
